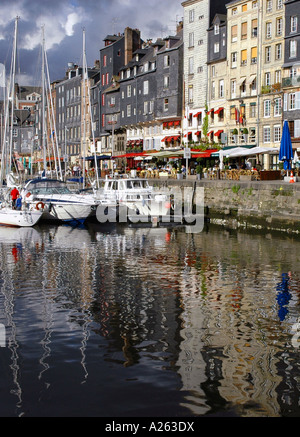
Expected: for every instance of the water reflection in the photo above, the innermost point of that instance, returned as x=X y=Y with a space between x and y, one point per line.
x=199 y=324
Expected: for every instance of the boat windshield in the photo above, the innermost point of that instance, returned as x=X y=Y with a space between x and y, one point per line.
x=48 y=187
x=137 y=184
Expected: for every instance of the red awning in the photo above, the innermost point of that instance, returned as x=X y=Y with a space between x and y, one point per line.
x=177 y=123
x=219 y=110
x=176 y=138
x=197 y=115
x=164 y=139
x=188 y=134
x=169 y=139
x=209 y=133
x=205 y=154
x=211 y=110
x=219 y=133
x=198 y=132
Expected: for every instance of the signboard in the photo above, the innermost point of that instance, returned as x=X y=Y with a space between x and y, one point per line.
x=66 y=158
x=224 y=138
x=187 y=153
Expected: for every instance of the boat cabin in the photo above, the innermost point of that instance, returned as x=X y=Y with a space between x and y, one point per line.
x=47 y=186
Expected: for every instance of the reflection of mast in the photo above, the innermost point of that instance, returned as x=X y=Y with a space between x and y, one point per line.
x=12 y=343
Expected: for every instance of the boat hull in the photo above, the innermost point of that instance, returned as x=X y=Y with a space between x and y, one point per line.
x=10 y=217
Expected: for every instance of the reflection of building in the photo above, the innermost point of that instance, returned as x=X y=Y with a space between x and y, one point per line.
x=291 y=70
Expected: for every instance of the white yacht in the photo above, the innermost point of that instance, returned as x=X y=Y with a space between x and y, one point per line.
x=59 y=202
x=135 y=198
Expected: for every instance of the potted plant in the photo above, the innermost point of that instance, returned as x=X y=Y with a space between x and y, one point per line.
x=245 y=134
x=199 y=171
x=179 y=173
x=235 y=134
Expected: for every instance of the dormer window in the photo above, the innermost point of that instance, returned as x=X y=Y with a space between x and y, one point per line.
x=146 y=67
x=137 y=58
x=217 y=29
x=128 y=73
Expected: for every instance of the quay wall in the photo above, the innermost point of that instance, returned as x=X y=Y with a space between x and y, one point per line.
x=270 y=205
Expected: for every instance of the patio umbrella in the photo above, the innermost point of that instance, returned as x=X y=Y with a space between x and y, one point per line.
x=296 y=159
x=286 y=150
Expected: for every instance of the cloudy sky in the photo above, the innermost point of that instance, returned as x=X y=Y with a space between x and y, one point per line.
x=64 y=21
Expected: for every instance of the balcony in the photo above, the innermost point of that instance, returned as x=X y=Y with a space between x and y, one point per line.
x=268 y=89
x=291 y=81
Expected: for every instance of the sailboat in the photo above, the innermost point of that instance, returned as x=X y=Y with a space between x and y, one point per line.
x=59 y=202
x=29 y=214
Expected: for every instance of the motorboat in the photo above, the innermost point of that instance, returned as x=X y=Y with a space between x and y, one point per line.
x=135 y=198
x=58 y=201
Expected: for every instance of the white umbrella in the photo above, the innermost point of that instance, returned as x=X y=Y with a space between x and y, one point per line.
x=295 y=159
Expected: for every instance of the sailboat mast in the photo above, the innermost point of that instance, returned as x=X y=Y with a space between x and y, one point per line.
x=84 y=109
x=13 y=67
x=43 y=100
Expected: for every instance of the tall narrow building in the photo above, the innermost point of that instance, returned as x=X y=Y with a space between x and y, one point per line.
x=198 y=17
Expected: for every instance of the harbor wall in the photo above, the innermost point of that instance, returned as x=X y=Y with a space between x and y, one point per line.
x=270 y=205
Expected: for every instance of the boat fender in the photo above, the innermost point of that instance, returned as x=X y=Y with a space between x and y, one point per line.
x=39 y=206
x=28 y=195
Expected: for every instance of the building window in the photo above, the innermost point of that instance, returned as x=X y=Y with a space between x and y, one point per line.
x=292 y=101
x=254 y=28
x=293 y=49
x=267 y=108
x=146 y=87
x=104 y=60
x=279 y=4
x=166 y=81
x=191 y=15
x=254 y=55
x=253 y=110
x=244 y=31
x=267 y=134
x=244 y=57
x=234 y=11
x=166 y=104
x=278 y=52
x=267 y=79
x=216 y=47
x=128 y=90
x=221 y=89
x=269 y=5
x=277 y=107
x=234 y=60
x=128 y=110
x=268 y=30
x=217 y=29
x=268 y=54
x=277 y=134
x=294 y=23
x=244 y=7
x=279 y=26
x=191 y=39
x=234 y=31
x=107 y=78
x=233 y=89
x=166 y=61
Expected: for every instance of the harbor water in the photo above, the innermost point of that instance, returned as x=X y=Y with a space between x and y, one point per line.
x=148 y=322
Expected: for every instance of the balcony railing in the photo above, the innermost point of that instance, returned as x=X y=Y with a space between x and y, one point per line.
x=291 y=81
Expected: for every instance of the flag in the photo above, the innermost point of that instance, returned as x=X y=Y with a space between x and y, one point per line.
x=2 y=75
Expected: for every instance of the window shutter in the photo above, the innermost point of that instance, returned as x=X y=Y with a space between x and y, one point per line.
x=297 y=103
x=297 y=128
x=285 y=103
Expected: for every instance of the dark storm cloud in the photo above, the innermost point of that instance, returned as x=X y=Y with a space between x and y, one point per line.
x=64 y=20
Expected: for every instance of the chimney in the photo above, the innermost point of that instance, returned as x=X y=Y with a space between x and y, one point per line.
x=132 y=43
x=179 y=26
